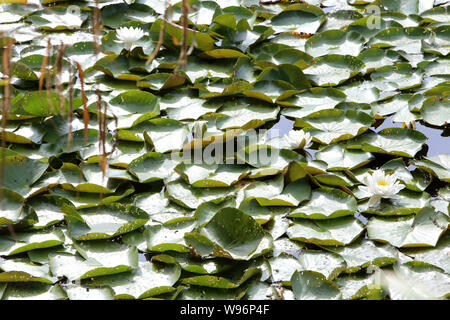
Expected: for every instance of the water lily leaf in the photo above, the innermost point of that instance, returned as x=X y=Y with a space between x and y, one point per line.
x=162 y=81
x=273 y=192
x=184 y=194
x=406 y=7
x=283 y=267
x=236 y=234
x=108 y=254
x=405 y=203
x=375 y=58
x=298 y=18
x=132 y=107
x=74 y=267
x=310 y=285
x=221 y=282
x=395 y=141
x=364 y=253
x=333 y=69
x=193 y=264
x=169 y=236
x=408 y=39
x=397 y=77
x=355 y=287
x=25 y=133
x=269 y=165
x=72 y=178
x=206 y=176
x=326 y=203
x=181 y=105
x=436 y=111
x=328 y=264
x=12 y=207
x=422 y=230
x=437 y=165
x=106 y=221
x=257 y=290
x=399 y=105
x=363 y=92
x=122 y=68
x=283 y=56
x=311 y=100
x=147 y=280
x=84 y=199
x=339 y=231
x=19 y=271
x=417 y=180
x=335 y=42
x=205 y=293
x=206 y=211
x=165 y=134
x=48 y=210
x=30 y=241
x=420 y=282
x=76 y=292
x=174 y=36
x=115 y=14
x=152 y=166
x=332 y=125
x=33 y=291
x=437 y=256
x=58 y=19
x=246 y=114
x=198 y=69
x=439 y=43
x=339 y=158
x=262 y=214
x=41 y=104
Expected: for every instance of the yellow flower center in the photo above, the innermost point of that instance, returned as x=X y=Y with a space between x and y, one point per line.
x=382 y=183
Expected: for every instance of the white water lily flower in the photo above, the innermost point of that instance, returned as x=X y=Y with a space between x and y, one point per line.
x=298 y=139
x=380 y=185
x=129 y=36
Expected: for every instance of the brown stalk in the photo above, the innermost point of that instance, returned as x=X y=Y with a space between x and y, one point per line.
x=86 y=116
x=96 y=28
x=48 y=80
x=182 y=61
x=161 y=35
x=6 y=70
x=59 y=84
x=70 y=115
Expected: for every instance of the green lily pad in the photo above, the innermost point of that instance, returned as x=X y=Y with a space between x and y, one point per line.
x=437 y=165
x=298 y=18
x=332 y=125
x=147 y=280
x=339 y=158
x=234 y=234
x=337 y=232
x=395 y=141
x=326 y=203
x=152 y=166
x=365 y=253
x=328 y=264
x=335 y=42
x=421 y=230
x=30 y=241
x=333 y=69
x=19 y=271
x=310 y=285
x=106 y=221
x=273 y=193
